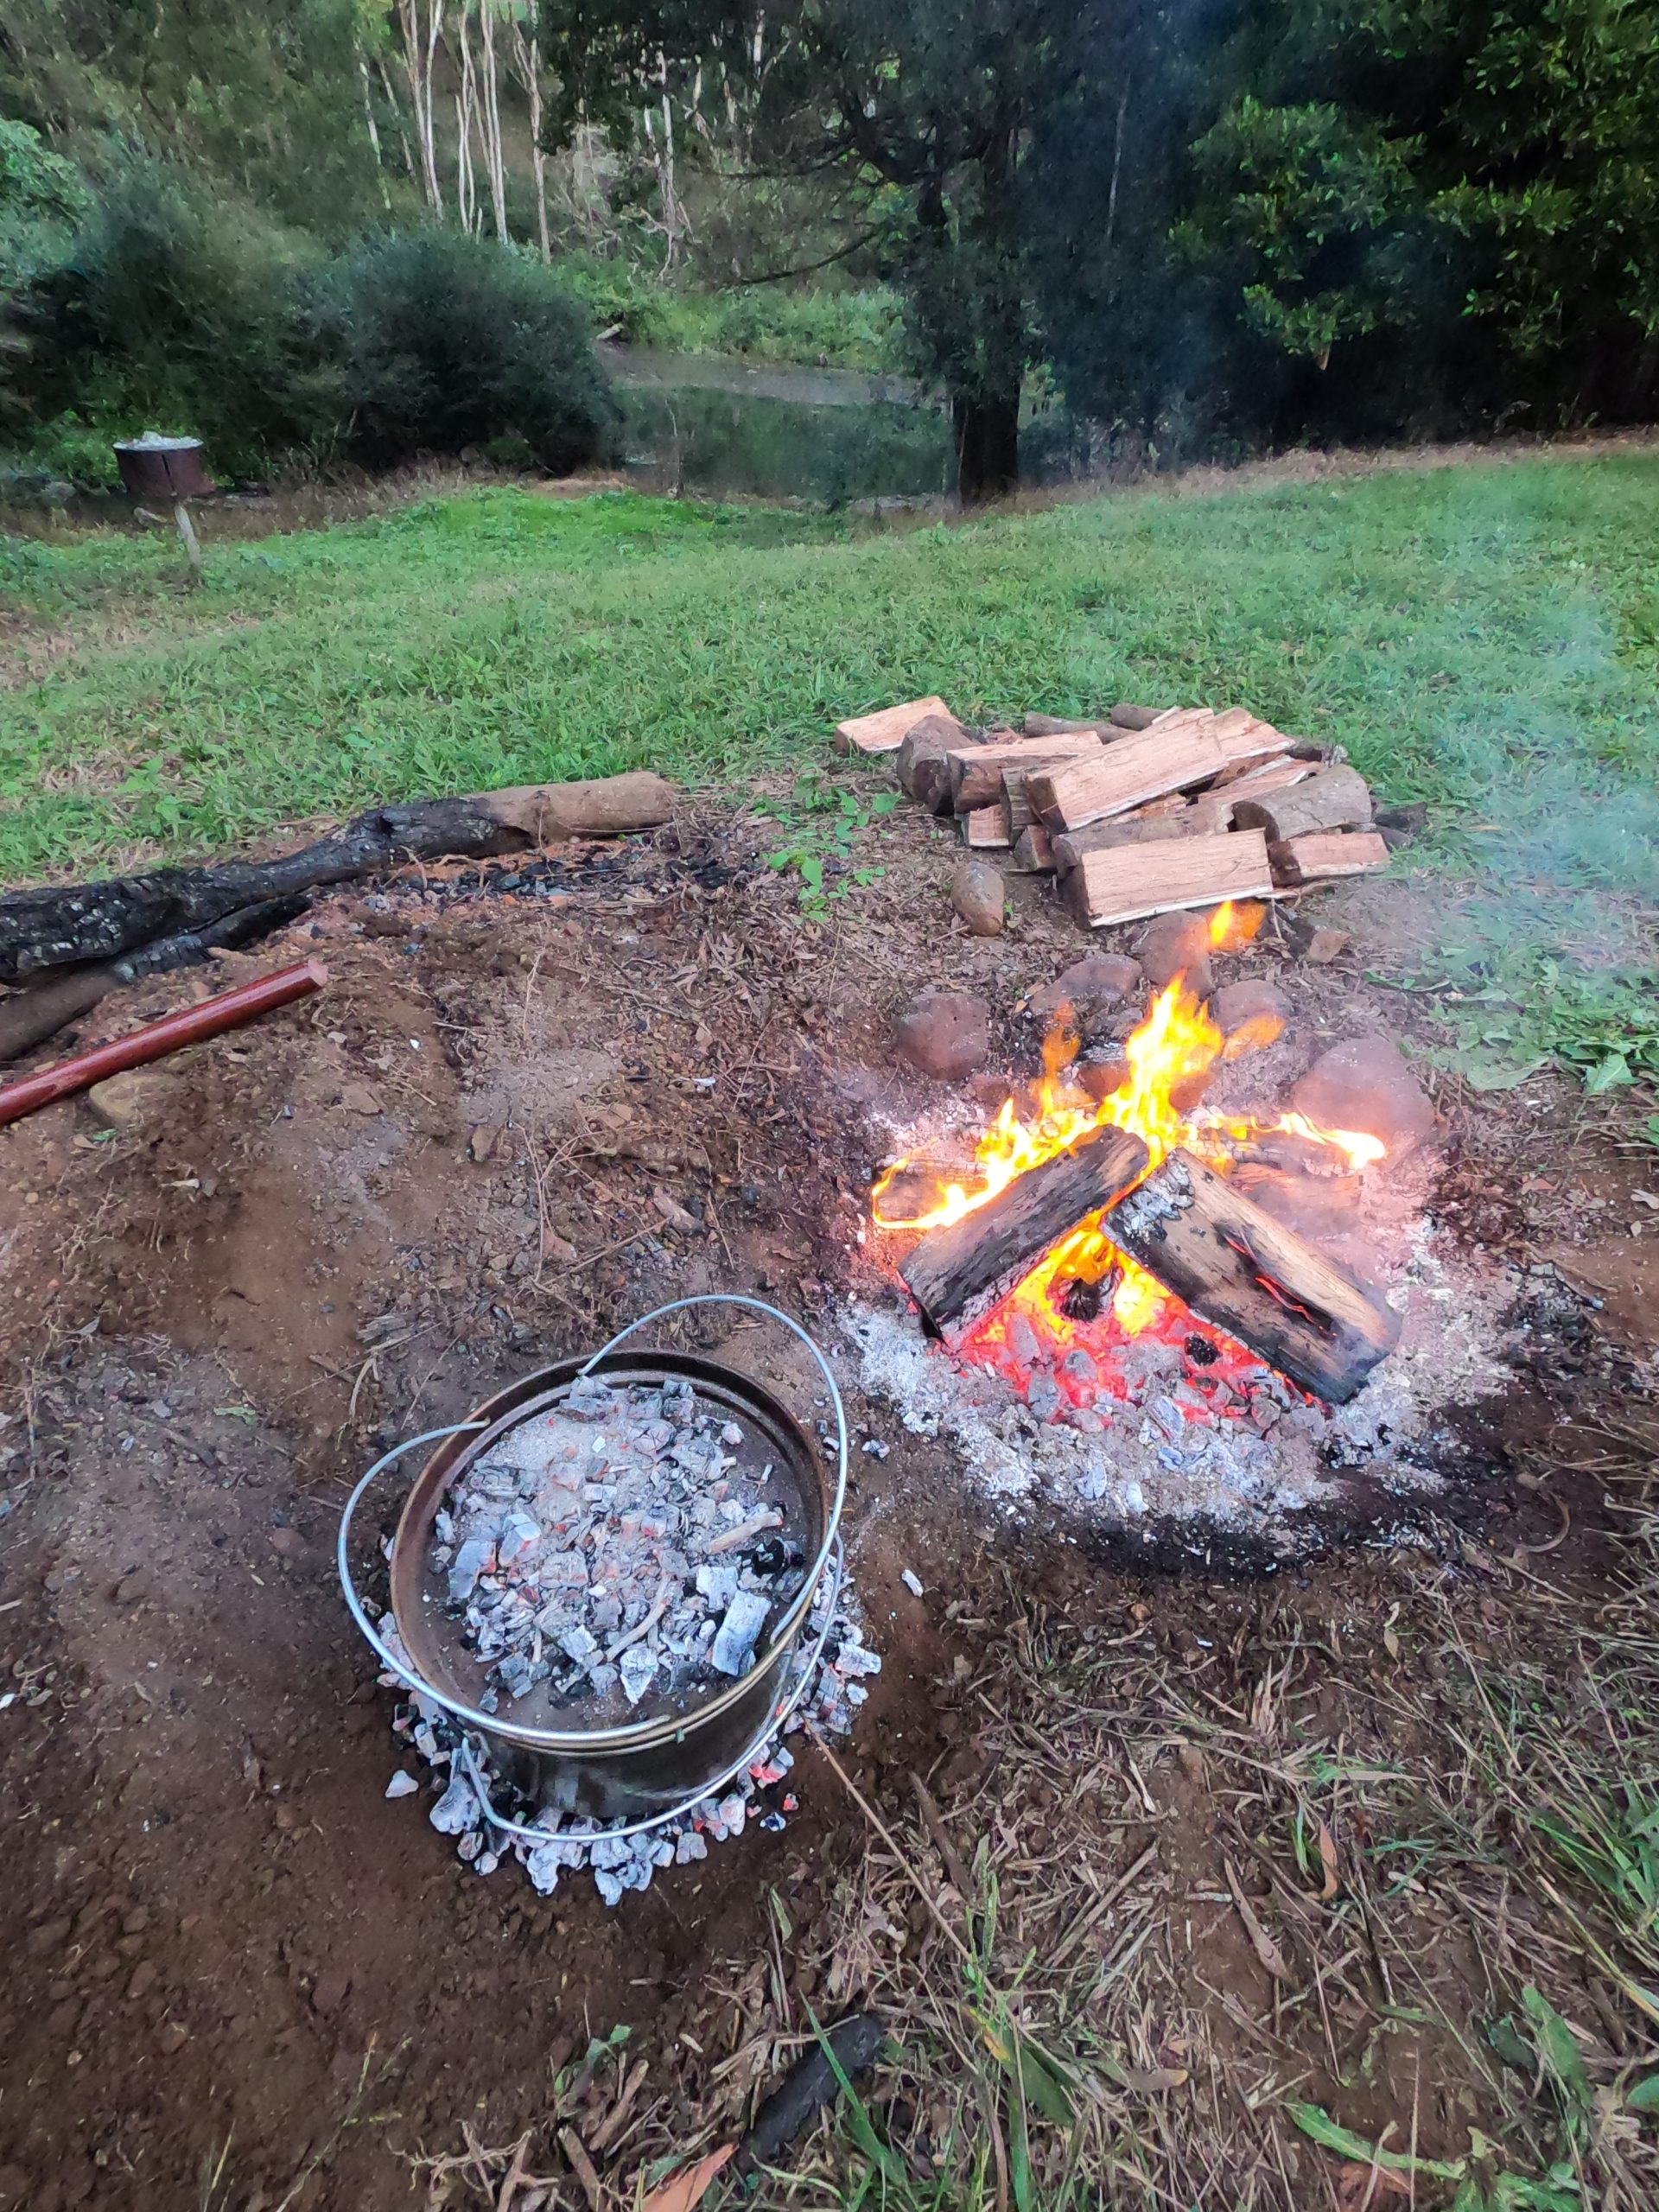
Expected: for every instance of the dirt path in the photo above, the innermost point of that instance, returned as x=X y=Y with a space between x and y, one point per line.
x=357 y=1220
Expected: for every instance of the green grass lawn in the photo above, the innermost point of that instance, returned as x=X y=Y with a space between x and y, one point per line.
x=1487 y=639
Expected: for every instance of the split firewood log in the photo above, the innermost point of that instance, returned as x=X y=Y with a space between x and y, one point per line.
x=977 y=770
x=1322 y=856
x=1129 y=882
x=1034 y=854
x=923 y=761
x=985 y=830
x=886 y=730
x=1335 y=798
x=1170 y=756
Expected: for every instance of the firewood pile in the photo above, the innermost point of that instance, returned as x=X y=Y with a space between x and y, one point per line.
x=1143 y=813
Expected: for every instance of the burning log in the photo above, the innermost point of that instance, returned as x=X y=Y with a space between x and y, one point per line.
x=1321 y=857
x=1246 y=1273
x=977 y=770
x=924 y=759
x=1171 y=755
x=955 y=1274
x=1335 y=798
x=1126 y=882
x=887 y=730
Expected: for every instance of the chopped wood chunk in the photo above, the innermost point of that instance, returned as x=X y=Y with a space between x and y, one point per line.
x=977 y=770
x=1123 y=884
x=985 y=829
x=922 y=761
x=1334 y=798
x=1071 y=846
x=1324 y=854
x=1172 y=755
x=1034 y=854
x=885 y=731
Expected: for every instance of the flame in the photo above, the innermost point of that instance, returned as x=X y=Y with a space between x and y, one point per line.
x=1233 y=927
x=1168 y=1059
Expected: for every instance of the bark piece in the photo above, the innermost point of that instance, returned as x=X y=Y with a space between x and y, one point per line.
x=1035 y=855
x=886 y=730
x=977 y=770
x=986 y=829
x=922 y=761
x=1172 y=754
x=1057 y=725
x=1246 y=1273
x=101 y=920
x=980 y=896
x=1334 y=798
x=957 y=1275
x=810 y=2084
x=944 y=1033
x=1137 y=880
x=1323 y=855
x=1124 y=716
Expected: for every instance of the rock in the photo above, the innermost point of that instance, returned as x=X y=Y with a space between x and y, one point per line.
x=732 y=1649
x=674 y=1214
x=1325 y=944
x=946 y=1034
x=143 y=1978
x=912 y=1582
x=979 y=895
x=457 y=1809
x=126 y=1101
x=638 y=1666
x=1365 y=1084
x=358 y=1098
x=1100 y=979
x=1250 y=1015
x=332 y=1986
x=1177 y=944
x=1101 y=1078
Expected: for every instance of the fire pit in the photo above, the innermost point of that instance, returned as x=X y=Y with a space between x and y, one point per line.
x=1140 y=1295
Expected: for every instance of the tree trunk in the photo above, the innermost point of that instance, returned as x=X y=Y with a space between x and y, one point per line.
x=987 y=445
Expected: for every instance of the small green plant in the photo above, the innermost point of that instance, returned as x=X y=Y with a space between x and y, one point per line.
x=823 y=822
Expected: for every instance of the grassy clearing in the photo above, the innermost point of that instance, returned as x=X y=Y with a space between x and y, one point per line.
x=1486 y=640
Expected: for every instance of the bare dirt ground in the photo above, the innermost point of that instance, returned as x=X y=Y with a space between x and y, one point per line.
x=241 y=1979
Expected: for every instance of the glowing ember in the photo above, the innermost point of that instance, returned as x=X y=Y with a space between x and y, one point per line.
x=1085 y=1300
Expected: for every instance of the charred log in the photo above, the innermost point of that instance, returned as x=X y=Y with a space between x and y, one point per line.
x=956 y=1274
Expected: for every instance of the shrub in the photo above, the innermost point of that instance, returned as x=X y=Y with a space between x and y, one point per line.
x=174 y=308
x=440 y=343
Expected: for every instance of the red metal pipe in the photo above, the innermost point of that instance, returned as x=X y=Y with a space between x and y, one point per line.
x=227 y=1010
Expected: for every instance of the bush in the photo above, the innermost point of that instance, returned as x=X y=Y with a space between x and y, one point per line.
x=174 y=308
x=440 y=343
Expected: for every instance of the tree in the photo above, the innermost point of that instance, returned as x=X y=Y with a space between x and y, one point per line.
x=927 y=109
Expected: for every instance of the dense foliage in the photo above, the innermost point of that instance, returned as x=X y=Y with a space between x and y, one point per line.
x=439 y=342
x=1206 y=225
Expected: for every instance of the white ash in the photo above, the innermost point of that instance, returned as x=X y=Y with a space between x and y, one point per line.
x=610 y=1550
x=832 y=1654
x=1242 y=1455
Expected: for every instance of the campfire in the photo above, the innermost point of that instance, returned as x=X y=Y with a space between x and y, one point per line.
x=1112 y=1230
